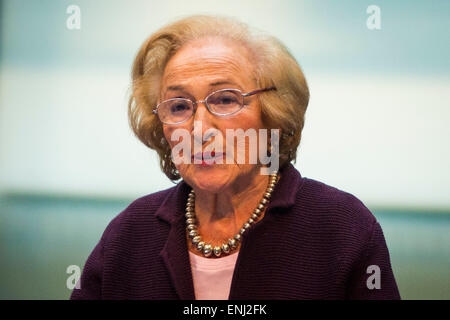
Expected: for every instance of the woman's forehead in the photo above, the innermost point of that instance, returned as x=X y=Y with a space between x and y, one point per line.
x=211 y=60
x=213 y=47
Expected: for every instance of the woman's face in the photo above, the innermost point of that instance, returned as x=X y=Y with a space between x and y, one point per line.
x=197 y=69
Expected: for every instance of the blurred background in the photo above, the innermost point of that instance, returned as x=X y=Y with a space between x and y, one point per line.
x=377 y=125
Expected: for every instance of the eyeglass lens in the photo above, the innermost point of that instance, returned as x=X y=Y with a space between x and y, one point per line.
x=221 y=103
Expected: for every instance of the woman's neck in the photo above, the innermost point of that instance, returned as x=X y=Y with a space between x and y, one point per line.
x=221 y=215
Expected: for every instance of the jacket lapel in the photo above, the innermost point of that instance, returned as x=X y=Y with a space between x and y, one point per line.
x=283 y=197
x=175 y=252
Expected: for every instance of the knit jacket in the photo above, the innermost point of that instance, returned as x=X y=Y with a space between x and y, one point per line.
x=314 y=242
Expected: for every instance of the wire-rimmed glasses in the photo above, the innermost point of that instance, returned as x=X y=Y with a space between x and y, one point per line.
x=222 y=102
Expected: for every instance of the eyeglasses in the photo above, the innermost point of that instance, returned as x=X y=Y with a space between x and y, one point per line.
x=222 y=102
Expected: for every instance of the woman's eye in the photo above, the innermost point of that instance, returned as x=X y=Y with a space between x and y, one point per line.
x=227 y=100
x=179 y=107
x=224 y=100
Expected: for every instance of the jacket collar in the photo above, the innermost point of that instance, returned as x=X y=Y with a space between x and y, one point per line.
x=285 y=192
x=175 y=253
x=172 y=208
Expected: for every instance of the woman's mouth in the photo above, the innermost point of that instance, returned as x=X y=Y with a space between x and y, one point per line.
x=207 y=158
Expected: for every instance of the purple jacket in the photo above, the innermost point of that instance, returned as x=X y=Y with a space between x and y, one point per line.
x=314 y=242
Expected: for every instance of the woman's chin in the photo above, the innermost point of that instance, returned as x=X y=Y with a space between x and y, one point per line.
x=212 y=179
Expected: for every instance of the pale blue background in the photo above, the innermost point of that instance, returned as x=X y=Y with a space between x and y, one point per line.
x=376 y=126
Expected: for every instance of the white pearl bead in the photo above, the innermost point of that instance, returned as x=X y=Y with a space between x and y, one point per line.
x=232 y=243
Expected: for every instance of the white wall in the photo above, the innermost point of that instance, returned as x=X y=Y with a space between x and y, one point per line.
x=376 y=125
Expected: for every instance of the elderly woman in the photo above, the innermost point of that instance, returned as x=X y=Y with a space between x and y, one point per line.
x=230 y=229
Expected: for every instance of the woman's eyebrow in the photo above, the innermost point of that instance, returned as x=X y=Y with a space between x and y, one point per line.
x=213 y=84
x=175 y=88
x=218 y=83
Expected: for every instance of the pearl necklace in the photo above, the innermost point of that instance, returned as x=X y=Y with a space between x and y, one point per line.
x=207 y=249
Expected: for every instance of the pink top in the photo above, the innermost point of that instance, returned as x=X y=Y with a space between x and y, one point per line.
x=212 y=277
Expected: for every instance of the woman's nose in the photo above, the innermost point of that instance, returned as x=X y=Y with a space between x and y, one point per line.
x=201 y=111
x=202 y=114
x=202 y=117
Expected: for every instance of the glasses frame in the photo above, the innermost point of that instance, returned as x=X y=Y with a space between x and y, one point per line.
x=195 y=103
